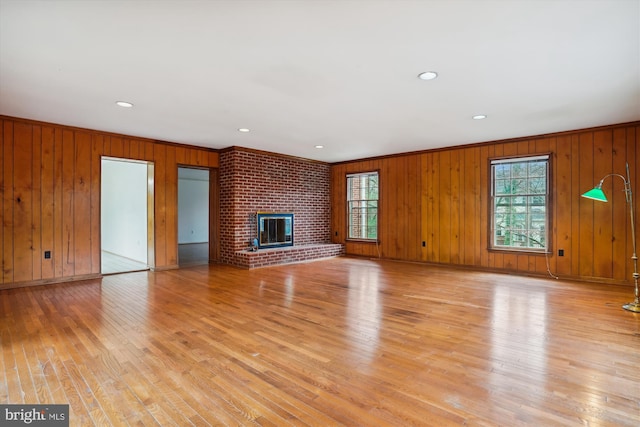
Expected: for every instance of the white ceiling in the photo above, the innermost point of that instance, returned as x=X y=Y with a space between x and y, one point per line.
x=342 y=73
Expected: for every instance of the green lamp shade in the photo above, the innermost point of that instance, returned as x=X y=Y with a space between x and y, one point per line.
x=596 y=194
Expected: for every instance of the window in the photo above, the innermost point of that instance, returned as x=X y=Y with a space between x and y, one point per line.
x=520 y=203
x=362 y=206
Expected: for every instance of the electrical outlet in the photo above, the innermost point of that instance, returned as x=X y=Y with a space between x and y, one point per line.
x=560 y=252
x=47 y=254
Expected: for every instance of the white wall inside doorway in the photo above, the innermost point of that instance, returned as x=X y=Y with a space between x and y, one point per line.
x=124 y=208
x=193 y=205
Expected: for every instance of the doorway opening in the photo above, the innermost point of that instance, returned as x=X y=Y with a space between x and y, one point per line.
x=126 y=212
x=193 y=216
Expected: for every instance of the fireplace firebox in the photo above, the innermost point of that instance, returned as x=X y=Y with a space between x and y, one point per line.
x=275 y=230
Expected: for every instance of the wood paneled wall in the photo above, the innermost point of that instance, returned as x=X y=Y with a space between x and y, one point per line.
x=50 y=197
x=441 y=198
x=50 y=200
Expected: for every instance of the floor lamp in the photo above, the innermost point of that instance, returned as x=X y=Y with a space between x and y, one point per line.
x=597 y=194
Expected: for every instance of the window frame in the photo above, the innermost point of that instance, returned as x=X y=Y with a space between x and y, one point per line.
x=348 y=201
x=491 y=245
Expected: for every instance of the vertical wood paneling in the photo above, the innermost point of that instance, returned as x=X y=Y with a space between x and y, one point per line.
x=454 y=233
x=468 y=195
x=193 y=157
x=106 y=145
x=214 y=159
x=7 y=202
x=126 y=148
x=335 y=199
x=508 y=149
x=171 y=201
x=413 y=208
x=181 y=156
x=47 y=224
x=116 y=148
x=522 y=262
x=473 y=236
x=562 y=178
x=444 y=229
x=424 y=218
x=148 y=151
x=58 y=246
x=619 y=207
x=161 y=205
x=587 y=181
x=434 y=209
x=97 y=151
x=603 y=212
x=406 y=238
x=36 y=220
x=82 y=236
x=397 y=180
x=391 y=204
x=203 y=157
x=68 y=182
x=134 y=149
x=461 y=173
x=23 y=203
x=576 y=203
x=633 y=157
x=50 y=199
x=453 y=199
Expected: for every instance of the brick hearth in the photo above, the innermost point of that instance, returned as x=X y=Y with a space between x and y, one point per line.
x=287 y=255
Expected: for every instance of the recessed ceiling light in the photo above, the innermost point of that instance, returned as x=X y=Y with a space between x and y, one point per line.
x=243 y=130
x=124 y=104
x=479 y=117
x=319 y=146
x=428 y=75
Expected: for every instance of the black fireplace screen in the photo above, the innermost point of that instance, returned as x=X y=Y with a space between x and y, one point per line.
x=275 y=230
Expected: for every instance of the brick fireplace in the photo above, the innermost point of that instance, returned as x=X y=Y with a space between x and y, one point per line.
x=253 y=181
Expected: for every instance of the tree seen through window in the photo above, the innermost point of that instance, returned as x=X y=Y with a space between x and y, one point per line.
x=520 y=201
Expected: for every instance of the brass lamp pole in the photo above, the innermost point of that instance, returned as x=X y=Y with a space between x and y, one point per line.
x=597 y=194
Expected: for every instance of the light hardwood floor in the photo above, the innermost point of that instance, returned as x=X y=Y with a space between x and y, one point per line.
x=342 y=341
